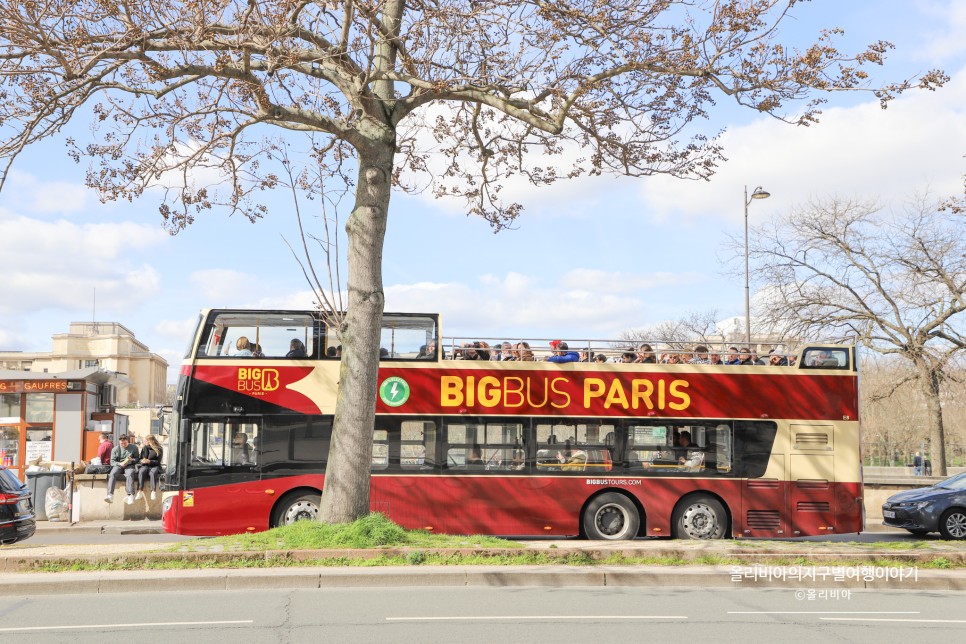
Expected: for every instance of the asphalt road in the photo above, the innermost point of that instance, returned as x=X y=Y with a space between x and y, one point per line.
x=506 y=615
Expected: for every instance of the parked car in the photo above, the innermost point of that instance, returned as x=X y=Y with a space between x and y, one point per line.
x=17 y=521
x=939 y=508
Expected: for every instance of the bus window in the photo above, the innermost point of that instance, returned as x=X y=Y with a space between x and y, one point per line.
x=380 y=449
x=822 y=358
x=258 y=334
x=575 y=446
x=417 y=444
x=494 y=447
x=405 y=337
x=207 y=443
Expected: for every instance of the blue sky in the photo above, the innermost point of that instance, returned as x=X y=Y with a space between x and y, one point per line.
x=588 y=259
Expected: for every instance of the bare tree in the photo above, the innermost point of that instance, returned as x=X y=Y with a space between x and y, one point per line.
x=697 y=327
x=453 y=96
x=893 y=281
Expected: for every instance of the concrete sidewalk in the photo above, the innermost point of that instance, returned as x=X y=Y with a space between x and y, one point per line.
x=145 y=526
x=734 y=577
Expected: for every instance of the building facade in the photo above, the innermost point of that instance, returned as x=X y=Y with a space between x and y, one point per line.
x=105 y=345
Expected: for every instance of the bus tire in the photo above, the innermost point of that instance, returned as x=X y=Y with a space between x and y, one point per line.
x=611 y=516
x=699 y=517
x=296 y=507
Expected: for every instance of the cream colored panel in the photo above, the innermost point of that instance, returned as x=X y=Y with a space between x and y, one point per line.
x=812 y=467
x=776 y=467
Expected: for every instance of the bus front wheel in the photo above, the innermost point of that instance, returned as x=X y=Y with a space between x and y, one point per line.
x=699 y=517
x=297 y=508
x=611 y=516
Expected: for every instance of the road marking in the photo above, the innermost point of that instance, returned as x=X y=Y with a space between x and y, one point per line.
x=823 y=612
x=544 y=617
x=138 y=625
x=915 y=621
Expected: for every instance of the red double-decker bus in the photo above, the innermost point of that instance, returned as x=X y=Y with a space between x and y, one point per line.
x=602 y=450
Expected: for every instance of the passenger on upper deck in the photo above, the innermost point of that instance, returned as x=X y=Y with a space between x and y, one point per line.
x=257 y=351
x=715 y=358
x=627 y=357
x=296 y=349
x=506 y=352
x=733 y=356
x=243 y=347
x=744 y=357
x=561 y=354
x=645 y=355
x=700 y=355
x=524 y=352
x=776 y=359
x=600 y=357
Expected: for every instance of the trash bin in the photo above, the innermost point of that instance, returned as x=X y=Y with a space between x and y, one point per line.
x=38 y=483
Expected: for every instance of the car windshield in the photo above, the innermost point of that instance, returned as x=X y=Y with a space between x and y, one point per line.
x=957 y=482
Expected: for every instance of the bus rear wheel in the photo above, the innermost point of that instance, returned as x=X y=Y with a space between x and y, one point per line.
x=611 y=516
x=699 y=517
x=297 y=508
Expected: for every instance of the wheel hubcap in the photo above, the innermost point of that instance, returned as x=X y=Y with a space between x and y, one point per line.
x=611 y=521
x=956 y=525
x=301 y=511
x=700 y=521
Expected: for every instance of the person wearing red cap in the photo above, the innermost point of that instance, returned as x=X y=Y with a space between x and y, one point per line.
x=561 y=354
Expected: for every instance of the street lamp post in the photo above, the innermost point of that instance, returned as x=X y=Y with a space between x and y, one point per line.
x=757 y=194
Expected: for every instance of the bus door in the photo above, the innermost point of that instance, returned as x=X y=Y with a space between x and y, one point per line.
x=762 y=468
x=811 y=479
x=222 y=465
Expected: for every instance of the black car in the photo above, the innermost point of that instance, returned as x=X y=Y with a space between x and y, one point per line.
x=940 y=508
x=17 y=521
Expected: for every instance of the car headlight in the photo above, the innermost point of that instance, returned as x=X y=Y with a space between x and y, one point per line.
x=914 y=505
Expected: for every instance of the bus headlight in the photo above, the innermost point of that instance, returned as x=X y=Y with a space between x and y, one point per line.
x=167 y=503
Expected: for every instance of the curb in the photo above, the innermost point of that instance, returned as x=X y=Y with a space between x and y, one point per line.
x=450 y=576
x=674 y=557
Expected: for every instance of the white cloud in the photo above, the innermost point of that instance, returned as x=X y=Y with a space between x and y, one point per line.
x=916 y=144
x=24 y=192
x=59 y=264
x=616 y=282
x=947 y=41
x=522 y=306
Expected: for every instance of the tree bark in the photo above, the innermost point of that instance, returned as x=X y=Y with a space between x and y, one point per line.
x=929 y=381
x=346 y=494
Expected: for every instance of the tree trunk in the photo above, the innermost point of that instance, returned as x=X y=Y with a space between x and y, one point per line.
x=346 y=494
x=929 y=381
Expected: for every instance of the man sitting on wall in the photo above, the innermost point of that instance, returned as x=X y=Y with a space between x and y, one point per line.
x=124 y=457
x=103 y=456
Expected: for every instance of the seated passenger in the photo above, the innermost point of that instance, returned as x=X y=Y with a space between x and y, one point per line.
x=645 y=355
x=257 y=351
x=296 y=349
x=240 y=451
x=243 y=347
x=476 y=455
x=700 y=355
x=627 y=357
x=776 y=359
x=692 y=459
x=561 y=353
x=600 y=357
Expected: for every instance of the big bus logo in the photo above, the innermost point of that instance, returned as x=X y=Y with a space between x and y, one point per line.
x=255 y=380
